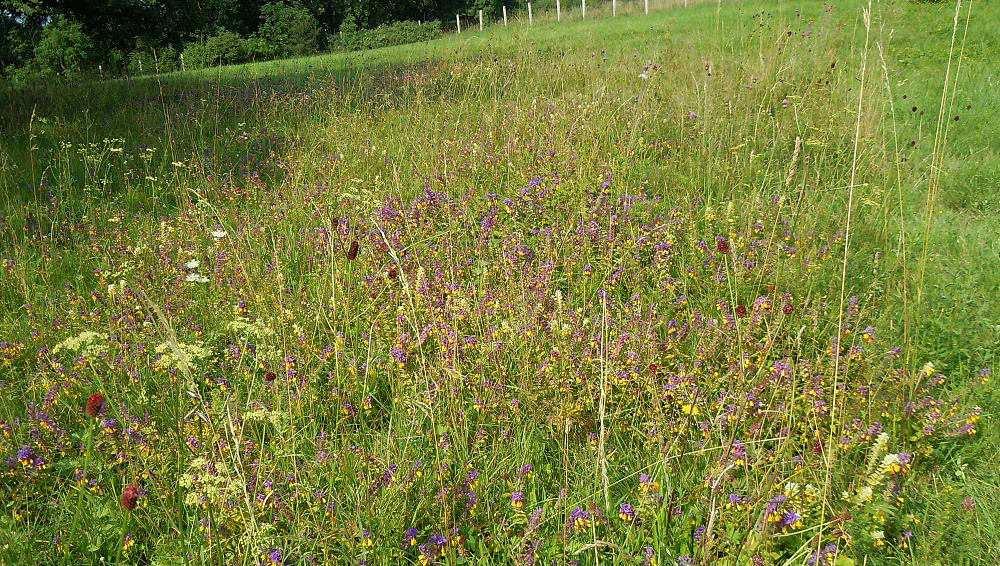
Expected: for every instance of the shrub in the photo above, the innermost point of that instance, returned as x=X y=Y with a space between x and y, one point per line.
x=289 y=29
x=257 y=49
x=224 y=48
x=385 y=35
x=153 y=61
x=64 y=49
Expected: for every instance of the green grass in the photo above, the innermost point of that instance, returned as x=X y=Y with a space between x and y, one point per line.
x=558 y=229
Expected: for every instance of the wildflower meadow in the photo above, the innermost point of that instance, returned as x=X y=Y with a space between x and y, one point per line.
x=716 y=284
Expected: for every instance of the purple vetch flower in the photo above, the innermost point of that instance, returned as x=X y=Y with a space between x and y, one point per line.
x=791 y=519
x=738 y=452
x=472 y=478
x=489 y=221
x=699 y=533
x=525 y=470
x=274 y=556
x=774 y=504
x=825 y=556
x=399 y=354
x=410 y=537
x=434 y=547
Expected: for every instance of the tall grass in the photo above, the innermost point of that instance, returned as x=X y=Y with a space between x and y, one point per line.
x=614 y=290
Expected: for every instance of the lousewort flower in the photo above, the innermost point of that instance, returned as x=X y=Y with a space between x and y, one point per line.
x=95 y=405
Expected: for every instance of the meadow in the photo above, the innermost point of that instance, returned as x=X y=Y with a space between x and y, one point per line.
x=713 y=285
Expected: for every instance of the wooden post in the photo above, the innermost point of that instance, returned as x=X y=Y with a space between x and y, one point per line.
x=531 y=20
x=182 y=61
x=140 y=66
x=505 y=16
x=614 y=8
x=583 y=9
x=480 y=20
x=458 y=22
x=558 y=12
x=646 y=3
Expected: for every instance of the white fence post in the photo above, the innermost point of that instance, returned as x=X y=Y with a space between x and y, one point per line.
x=480 y=20
x=558 y=12
x=505 y=16
x=182 y=61
x=531 y=21
x=614 y=8
x=458 y=22
x=646 y=3
x=583 y=9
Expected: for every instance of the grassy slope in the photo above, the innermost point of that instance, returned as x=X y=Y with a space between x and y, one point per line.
x=283 y=121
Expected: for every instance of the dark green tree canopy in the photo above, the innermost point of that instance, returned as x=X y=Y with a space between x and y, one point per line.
x=139 y=36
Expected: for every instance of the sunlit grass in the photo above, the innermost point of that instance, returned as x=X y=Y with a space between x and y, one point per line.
x=567 y=292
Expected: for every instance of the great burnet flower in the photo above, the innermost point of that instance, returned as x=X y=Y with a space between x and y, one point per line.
x=96 y=405
x=130 y=496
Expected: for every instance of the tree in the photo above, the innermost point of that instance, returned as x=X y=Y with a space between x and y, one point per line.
x=64 y=49
x=289 y=29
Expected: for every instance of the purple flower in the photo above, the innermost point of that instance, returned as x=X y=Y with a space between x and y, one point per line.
x=790 y=518
x=775 y=503
x=274 y=556
x=579 y=519
x=517 y=499
x=410 y=536
x=399 y=355
x=627 y=512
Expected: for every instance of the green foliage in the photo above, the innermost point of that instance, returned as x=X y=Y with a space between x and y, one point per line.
x=153 y=61
x=64 y=49
x=386 y=35
x=224 y=48
x=289 y=29
x=533 y=223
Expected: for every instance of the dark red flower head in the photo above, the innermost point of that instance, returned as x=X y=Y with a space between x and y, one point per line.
x=130 y=496
x=352 y=252
x=741 y=311
x=270 y=376
x=95 y=405
x=722 y=244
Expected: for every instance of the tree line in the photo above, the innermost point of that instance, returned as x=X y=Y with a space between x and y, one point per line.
x=45 y=39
